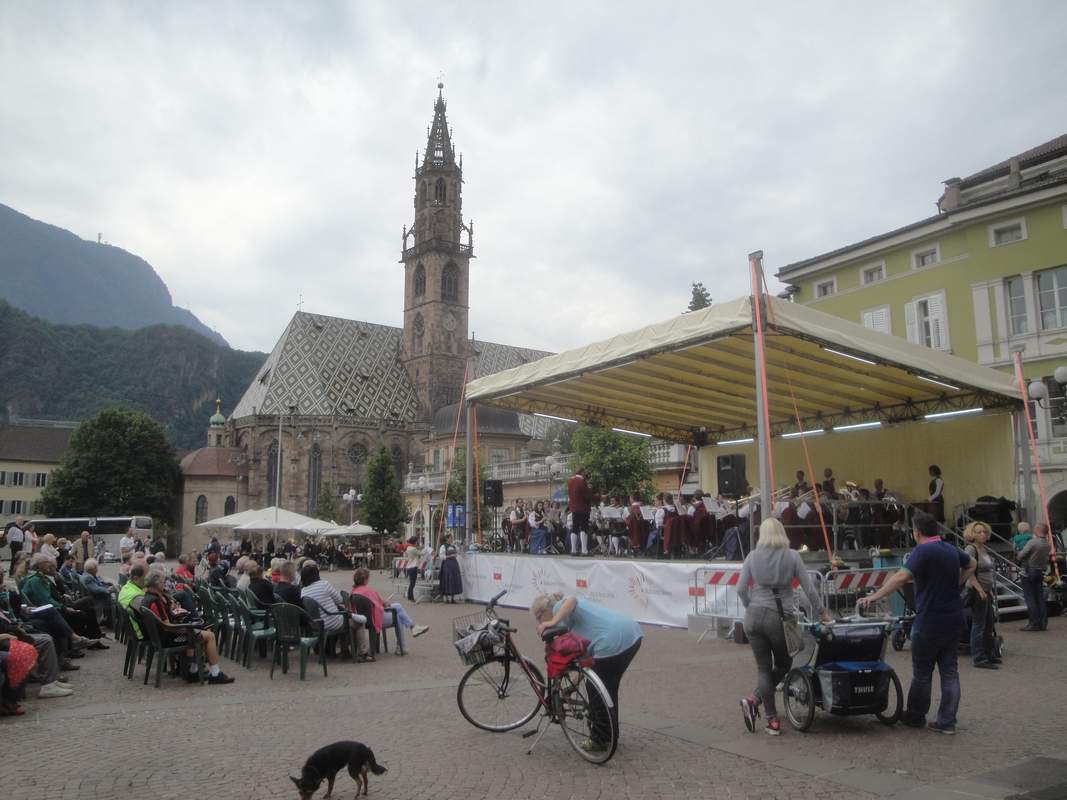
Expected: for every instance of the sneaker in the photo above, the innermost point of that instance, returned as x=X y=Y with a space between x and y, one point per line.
x=913 y=722
x=222 y=677
x=948 y=730
x=64 y=684
x=750 y=710
x=985 y=665
x=54 y=690
x=590 y=746
x=418 y=630
x=98 y=645
x=774 y=727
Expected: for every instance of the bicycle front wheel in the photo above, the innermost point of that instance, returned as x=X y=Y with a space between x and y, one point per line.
x=497 y=696
x=582 y=708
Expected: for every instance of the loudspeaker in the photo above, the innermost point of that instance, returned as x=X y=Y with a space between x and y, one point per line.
x=731 y=475
x=493 y=494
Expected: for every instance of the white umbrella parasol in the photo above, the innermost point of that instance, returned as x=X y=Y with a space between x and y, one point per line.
x=231 y=520
x=354 y=529
x=317 y=526
x=274 y=519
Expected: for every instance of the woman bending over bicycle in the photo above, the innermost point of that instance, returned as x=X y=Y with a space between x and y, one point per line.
x=615 y=641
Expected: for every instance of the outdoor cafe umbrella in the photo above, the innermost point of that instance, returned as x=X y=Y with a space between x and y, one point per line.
x=231 y=520
x=319 y=527
x=355 y=529
x=274 y=519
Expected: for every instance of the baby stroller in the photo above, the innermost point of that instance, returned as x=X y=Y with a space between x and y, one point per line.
x=846 y=674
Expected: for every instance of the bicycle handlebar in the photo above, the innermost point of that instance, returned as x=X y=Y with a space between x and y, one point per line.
x=493 y=602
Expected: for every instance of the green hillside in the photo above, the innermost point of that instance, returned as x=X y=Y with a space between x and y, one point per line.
x=71 y=372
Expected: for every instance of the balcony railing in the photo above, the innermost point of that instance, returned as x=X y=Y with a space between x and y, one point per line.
x=438 y=246
x=529 y=470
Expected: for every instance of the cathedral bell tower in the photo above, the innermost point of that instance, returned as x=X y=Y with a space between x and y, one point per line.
x=436 y=273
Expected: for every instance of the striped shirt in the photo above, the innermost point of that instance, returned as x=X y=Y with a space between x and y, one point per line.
x=329 y=598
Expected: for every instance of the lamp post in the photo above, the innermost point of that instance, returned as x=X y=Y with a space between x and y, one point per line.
x=350 y=497
x=422 y=484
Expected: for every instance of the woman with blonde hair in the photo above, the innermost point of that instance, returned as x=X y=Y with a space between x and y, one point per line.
x=766 y=591
x=976 y=535
x=615 y=641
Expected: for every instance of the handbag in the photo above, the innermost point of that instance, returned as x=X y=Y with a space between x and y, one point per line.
x=794 y=642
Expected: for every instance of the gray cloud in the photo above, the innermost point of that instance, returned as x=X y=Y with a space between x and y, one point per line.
x=614 y=152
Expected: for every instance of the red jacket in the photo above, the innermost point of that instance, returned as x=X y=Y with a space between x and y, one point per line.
x=580 y=495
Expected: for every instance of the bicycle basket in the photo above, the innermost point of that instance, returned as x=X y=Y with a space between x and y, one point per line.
x=474 y=640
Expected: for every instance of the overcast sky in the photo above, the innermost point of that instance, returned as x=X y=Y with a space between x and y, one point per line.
x=614 y=152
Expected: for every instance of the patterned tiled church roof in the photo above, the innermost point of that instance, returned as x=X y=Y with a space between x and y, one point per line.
x=328 y=365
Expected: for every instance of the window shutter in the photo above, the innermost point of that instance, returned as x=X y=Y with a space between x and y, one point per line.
x=877 y=319
x=938 y=321
x=911 y=322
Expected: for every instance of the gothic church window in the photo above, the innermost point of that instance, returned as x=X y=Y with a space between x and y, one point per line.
x=439 y=191
x=419 y=281
x=450 y=282
x=272 y=475
x=314 y=477
x=201 y=509
x=231 y=505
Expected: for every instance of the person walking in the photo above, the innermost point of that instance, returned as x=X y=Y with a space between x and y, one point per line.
x=615 y=641
x=1033 y=559
x=977 y=534
x=411 y=565
x=938 y=570
x=765 y=588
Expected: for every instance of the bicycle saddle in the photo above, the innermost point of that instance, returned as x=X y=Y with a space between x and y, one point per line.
x=551 y=633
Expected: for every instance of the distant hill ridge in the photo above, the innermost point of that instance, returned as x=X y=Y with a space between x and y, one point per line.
x=72 y=372
x=56 y=275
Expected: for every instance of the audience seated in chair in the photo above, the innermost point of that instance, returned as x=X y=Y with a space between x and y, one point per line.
x=284 y=587
x=175 y=632
x=397 y=615
x=329 y=600
x=39 y=588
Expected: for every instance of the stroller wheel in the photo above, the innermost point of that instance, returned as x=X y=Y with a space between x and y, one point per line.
x=899 y=638
x=798 y=694
x=895 y=705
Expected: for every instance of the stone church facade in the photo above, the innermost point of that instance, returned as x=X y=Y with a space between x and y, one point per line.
x=333 y=390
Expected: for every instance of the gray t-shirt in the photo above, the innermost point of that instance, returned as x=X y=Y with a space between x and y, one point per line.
x=1034 y=556
x=770 y=568
x=984 y=571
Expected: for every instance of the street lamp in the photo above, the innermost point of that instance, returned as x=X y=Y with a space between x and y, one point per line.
x=351 y=498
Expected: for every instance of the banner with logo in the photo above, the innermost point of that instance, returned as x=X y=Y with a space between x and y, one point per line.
x=655 y=592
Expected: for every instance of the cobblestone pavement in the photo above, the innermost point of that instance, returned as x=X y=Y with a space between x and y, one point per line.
x=682 y=736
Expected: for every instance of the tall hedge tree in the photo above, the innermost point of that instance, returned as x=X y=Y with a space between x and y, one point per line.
x=118 y=463
x=615 y=463
x=384 y=505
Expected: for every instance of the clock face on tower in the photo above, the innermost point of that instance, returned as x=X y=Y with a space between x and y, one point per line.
x=450 y=321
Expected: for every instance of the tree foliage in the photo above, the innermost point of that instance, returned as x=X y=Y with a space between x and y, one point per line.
x=384 y=505
x=701 y=297
x=118 y=463
x=615 y=463
x=457 y=484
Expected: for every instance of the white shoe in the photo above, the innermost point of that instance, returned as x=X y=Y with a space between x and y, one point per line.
x=419 y=630
x=54 y=690
x=64 y=684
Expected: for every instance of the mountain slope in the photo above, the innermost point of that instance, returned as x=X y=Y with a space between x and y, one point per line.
x=71 y=372
x=54 y=274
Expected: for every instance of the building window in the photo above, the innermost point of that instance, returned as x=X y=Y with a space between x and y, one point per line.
x=927 y=321
x=436 y=460
x=1052 y=298
x=877 y=319
x=3 y=478
x=1016 y=306
x=498 y=454
x=314 y=476
x=439 y=191
x=826 y=288
x=1001 y=233
x=272 y=475
x=926 y=257
x=419 y=281
x=231 y=505
x=17 y=479
x=201 y=509
x=17 y=507
x=872 y=274
x=450 y=282
x=40 y=480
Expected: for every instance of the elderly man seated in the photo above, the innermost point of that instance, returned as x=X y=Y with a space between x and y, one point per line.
x=39 y=588
x=285 y=587
x=174 y=633
x=98 y=589
x=329 y=600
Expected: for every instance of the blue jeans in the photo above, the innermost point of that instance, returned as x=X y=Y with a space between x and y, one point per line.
x=927 y=652
x=1034 y=592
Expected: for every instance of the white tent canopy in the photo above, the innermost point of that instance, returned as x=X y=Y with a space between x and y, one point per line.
x=231 y=520
x=355 y=529
x=277 y=519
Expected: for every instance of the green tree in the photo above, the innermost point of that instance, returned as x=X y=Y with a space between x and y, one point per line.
x=457 y=489
x=701 y=297
x=615 y=463
x=384 y=505
x=326 y=503
x=118 y=463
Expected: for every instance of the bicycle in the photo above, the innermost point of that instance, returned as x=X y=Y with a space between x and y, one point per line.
x=503 y=690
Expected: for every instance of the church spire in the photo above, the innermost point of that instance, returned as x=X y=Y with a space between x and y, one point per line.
x=439 y=153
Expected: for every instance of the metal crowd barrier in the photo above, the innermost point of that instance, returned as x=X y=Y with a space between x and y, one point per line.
x=714 y=591
x=841 y=590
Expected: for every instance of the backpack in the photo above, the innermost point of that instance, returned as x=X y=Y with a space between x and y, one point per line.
x=564 y=649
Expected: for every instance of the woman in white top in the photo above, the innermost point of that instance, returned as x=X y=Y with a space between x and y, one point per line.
x=48 y=546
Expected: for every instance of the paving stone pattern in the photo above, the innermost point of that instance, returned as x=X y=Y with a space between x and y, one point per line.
x=682 y=735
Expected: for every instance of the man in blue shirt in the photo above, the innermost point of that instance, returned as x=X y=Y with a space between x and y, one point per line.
x=938 y=569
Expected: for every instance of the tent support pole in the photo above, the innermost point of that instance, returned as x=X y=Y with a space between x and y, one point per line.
x=1022 y=452
x=762 y=434
x=468 y=467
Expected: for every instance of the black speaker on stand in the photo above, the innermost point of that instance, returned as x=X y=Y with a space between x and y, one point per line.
x=493 y=494
x=730 y=473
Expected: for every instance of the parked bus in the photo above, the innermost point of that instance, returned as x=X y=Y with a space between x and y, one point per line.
x=107 y=529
